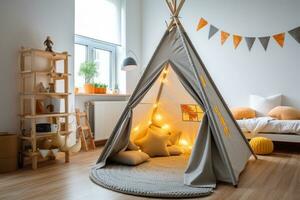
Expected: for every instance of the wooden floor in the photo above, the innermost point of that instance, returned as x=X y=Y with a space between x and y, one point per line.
x=271 y=177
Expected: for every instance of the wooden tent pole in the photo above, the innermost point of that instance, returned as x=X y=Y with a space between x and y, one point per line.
x=170 y=6
x=179 y=8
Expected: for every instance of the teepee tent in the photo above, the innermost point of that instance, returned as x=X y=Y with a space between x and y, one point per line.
x=220 y=150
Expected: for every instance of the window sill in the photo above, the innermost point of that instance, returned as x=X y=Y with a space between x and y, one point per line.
x=103 y=95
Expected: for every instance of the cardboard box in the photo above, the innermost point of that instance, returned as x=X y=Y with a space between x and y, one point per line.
x=8 y=152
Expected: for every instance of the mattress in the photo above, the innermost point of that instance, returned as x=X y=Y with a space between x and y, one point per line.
x=269 y=125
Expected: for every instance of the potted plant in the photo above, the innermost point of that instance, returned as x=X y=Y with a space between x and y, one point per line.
x=100 y=88
x=89 y=70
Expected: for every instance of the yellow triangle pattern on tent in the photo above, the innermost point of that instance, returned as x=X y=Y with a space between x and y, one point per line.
x=222 y=121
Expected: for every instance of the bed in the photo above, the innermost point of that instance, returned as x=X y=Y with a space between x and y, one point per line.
x=277 y=130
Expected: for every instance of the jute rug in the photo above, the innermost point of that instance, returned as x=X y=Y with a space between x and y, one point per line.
x=159 y=177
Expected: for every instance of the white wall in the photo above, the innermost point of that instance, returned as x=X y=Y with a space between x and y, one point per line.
x=27 y=23
x=237 y=73
x=133 y=40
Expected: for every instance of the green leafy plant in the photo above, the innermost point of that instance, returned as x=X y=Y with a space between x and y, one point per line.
x=89 y=70
x=100 y=85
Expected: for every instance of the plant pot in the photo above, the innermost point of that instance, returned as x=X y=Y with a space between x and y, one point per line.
x=100 y=90
x=88 y=88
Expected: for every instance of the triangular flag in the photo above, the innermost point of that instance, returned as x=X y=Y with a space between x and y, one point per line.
x=44 y=152
x=236 y=40
x=201 y=24
x=212 y=30
x=224 y=36
x=250 y=41
x=295 y=33
x=264 y=41
x=54 y=152
x=279 y=38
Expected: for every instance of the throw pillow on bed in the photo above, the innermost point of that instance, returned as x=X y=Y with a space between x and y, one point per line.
x=130 y=157
x=285 y=113
x=263 y=105
x=243 y=113
x=154 y=144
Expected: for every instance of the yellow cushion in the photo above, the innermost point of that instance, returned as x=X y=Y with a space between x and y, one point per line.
x=175 y=150
x=285 y=113
x=261 y=145
x=154 y=144
x=130 y=157
x=243 y=113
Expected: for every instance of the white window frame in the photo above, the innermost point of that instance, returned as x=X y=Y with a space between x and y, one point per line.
x=92 y=44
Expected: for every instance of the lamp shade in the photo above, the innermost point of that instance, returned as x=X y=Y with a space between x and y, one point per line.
x=129 y=64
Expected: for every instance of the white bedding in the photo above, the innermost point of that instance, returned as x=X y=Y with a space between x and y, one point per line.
x=269 y=125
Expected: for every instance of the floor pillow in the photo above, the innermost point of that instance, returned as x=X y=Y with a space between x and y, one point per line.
x=174 y=137
x=161 y=131
x=175 y=150
x=261 y=145
x=132 y=146
x=130 y=157
x=285 y=113
x=154 y=144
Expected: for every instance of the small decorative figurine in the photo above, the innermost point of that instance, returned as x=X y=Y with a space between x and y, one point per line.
x=51 y=88
x=41 y=88
x=48 y=43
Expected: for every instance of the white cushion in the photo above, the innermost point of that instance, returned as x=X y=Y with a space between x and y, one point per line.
x=263 y=105
x=130 y=157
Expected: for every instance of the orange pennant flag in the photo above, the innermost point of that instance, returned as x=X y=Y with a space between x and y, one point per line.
x=236 y=40
x=279 y=38
x=224 y=36
x=201 y=24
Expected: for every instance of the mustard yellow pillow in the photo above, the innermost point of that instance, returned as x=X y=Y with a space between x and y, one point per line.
x=285 y=113
x=243 y=113
x=154 y=144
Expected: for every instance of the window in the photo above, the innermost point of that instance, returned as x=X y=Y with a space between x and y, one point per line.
x=97 y=36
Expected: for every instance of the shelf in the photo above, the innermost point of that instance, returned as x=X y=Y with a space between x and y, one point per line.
x=48 y=94
x=46 y=115
x=103 y=95
x=55 y=75
x=46 y=54
x=46 y=135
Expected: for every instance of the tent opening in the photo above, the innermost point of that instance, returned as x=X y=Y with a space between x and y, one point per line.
x=168 y=106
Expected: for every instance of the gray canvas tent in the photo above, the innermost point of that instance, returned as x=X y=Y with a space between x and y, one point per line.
x=220 y=151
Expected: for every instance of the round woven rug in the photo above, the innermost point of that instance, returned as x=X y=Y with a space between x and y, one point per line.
x=159 y=177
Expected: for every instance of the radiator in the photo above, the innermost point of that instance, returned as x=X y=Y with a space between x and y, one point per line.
x=104 y=116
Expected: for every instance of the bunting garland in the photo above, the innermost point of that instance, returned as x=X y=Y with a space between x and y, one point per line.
x=224 y=36
x=237 y=39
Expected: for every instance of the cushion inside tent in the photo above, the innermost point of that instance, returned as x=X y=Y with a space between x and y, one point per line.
x=161 y=107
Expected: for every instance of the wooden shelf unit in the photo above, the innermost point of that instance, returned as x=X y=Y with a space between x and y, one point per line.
x=31 y=96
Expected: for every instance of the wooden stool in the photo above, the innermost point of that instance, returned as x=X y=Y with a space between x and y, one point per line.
x=84 y=130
